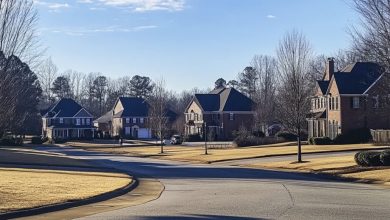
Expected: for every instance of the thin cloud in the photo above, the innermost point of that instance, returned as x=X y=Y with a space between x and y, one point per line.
x=87 y=31
x=52 y=6
x=141 y=5
x=271 y=16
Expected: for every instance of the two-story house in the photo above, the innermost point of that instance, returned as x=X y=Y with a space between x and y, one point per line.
x=129 y=117
x=222 y=111
x=67 y=119
x=356 y=97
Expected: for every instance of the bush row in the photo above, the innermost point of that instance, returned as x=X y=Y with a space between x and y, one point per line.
x=38 y=140
x=356 y=136
x=373 y=158
x=11 y=141
x=320 y=141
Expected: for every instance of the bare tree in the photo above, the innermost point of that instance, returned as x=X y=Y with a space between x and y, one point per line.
x=158 y=111
x=266 y=79
x=371 y=40
x=18 y=35
x=294 y=54
x=76 y=81
x=47 y=73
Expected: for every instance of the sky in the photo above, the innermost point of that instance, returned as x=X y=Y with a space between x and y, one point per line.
x=188 y=43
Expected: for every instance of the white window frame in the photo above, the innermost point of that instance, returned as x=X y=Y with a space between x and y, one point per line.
x=87 y=121
x=356 y=102
x=127 y=120
x=134 y=120
x=231 y=116
x=77 y=121
x=141 y=120
x=61 y=120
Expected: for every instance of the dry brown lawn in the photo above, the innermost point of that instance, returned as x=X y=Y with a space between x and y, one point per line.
x=196 y=154
x=28 y=188
x=343 y=166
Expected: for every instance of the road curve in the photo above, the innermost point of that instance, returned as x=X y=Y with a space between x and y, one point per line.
x=226 y=192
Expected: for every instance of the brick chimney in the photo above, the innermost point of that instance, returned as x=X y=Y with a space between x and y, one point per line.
x=329 y=69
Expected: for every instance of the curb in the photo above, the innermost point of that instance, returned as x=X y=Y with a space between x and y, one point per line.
x=292 y=154
x=72 y=204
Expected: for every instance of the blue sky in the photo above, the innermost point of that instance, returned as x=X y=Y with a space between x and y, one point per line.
x=190 y=43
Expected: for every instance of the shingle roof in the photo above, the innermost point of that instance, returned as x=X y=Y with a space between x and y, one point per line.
x=133 y=107
x=225 y=99
x=354 y=79
x=323 y=85
x=105 y=118
x=64 y=108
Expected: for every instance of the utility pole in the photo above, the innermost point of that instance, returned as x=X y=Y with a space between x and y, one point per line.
x=205 y=138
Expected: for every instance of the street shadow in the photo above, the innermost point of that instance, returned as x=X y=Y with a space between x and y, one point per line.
x=196 y=217
x=170 y=170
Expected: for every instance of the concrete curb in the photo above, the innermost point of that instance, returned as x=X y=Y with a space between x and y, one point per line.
x=292 y=154
x=72 y=204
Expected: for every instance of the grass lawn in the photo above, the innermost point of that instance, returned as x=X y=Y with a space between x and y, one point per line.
x=196 y=153
x=343 y=166
x=28 y=188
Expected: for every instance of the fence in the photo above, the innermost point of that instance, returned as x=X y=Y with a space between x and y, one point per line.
x=381 y=136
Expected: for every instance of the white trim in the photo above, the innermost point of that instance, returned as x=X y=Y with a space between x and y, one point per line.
x=82 y=108
x=351 y=95
x=373 y=83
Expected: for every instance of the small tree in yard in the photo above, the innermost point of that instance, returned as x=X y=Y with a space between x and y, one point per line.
x=295 y=87
x=158 y=118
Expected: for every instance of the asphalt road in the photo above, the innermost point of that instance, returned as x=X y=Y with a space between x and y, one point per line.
x=227 y=192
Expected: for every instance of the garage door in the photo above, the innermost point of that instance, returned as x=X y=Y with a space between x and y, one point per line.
x=144 y=133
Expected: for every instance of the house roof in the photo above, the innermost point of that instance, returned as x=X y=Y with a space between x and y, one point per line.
x=136 y=107
x=105 y=118
x=64 y=108
x=224 y=99
x=133 y=107
x=353 y=79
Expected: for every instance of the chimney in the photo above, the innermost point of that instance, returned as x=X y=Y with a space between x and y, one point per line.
x=329 y=69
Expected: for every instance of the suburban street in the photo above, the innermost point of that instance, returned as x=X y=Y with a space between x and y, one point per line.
x=227 y=192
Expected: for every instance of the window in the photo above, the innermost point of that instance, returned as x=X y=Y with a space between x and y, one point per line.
x=141 y=120
x=337 y=103
x=127 y=120
x=134 y=120
x=83 y=121
x=231 y=117
x=87 y=121
x=375 y=101
x=61 y=120
x=355 y=102
x=77 y=121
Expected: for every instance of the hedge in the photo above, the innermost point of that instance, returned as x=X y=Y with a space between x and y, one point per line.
x=373 y=158
x=320 y=141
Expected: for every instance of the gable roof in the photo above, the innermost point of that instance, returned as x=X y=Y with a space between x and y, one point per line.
x=224 y=99
x=353 y=79
x=65 y=108
x=133 y=107
x=105 y=118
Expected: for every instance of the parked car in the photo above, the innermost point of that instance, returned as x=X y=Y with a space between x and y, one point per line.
x=176 y=139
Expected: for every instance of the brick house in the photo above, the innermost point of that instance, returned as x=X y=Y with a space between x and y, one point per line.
x=67 y=119
x=356 y=97
x=128 y=118
x=222 y=110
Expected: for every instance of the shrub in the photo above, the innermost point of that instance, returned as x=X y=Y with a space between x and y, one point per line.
x=37 y=140
x=59 y=140
x=245 y=141
x=385 y=158
x=286 y=135
x=11 y=141
x=45 y=139
x=357 y=136
x=368 y=158
x=258 y=133
x=193 y=138
x=320 y=141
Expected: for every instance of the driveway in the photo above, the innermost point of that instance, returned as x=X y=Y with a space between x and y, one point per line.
x=226 y=192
